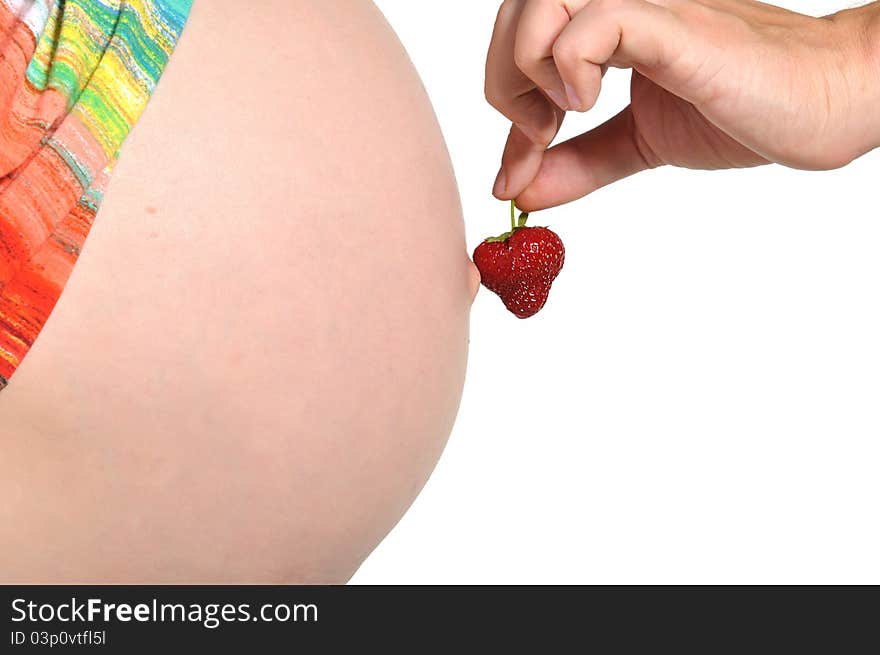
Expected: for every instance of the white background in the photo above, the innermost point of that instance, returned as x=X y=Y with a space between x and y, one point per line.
x=698 y=403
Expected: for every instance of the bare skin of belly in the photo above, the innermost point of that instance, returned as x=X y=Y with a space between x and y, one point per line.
x=260 y=354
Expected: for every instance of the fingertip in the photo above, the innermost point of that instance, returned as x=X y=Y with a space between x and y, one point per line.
x=529 y=201
x=500 y=186
x=520 y=171
x=581 y=165
x=574 y=100
x=558 y=98
x=533 y=134
x=543 y=188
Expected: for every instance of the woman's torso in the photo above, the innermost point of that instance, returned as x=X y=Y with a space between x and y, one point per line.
x=258 y=357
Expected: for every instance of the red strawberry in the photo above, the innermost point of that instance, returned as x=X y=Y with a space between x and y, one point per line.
x=520 y=266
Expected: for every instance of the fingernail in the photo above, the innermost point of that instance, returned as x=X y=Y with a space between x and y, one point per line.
x=557 y=98
x=500 y=184
x=573 y=101
x=531 y=134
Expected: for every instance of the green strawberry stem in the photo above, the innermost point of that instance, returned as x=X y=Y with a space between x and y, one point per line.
x=523 y=217
x=514 y=224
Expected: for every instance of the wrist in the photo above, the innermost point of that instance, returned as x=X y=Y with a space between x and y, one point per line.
x=861 y=28
x=872 y=37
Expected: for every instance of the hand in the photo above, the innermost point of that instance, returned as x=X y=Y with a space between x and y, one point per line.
x=715 y=84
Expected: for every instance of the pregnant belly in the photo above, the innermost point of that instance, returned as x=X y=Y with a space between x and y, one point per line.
x=260 y=353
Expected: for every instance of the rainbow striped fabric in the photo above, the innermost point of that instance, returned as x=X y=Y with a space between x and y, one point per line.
x=75 y=76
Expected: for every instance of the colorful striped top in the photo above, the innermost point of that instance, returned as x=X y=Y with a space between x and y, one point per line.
x=75 y=76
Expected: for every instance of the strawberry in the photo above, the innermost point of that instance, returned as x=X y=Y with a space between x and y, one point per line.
x=520 y=266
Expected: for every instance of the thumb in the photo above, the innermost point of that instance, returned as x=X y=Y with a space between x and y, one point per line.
x=575 y=168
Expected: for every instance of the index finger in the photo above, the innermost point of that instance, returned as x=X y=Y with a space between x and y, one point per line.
x=540 y=24
x=508 y=89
